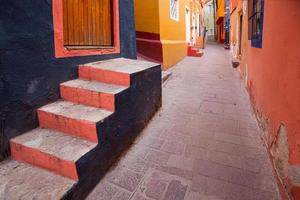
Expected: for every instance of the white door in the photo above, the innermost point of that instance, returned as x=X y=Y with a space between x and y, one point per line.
x=198 y=25
x=188 y=25
x=194 y=29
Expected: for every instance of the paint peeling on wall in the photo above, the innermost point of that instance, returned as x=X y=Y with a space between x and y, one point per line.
x=280 y=151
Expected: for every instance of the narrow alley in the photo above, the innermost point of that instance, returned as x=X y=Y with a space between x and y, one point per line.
x=202 y=144
x=150 y=100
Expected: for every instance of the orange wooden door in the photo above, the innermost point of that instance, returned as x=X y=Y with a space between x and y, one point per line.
x=87 y=22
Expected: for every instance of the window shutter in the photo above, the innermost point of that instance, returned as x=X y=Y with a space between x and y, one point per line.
x=88 y=22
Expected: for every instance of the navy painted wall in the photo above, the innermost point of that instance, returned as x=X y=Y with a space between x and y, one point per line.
x=29 y=73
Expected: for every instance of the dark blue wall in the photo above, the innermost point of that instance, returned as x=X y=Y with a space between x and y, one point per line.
x=29 y=73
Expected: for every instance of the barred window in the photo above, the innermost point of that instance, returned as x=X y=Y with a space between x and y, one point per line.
x=174 y=9
x=256 y=13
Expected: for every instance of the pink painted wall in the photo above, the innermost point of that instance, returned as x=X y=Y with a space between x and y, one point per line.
x=274 y=71
x=233 y=4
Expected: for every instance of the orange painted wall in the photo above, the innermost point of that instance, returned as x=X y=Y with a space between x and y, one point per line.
x=220 y=8
x=274 y=72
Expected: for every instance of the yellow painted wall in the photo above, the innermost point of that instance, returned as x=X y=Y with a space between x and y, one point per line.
x=173 y=52
x=153 y=16
x=172 y=34
x=169 y=28
x=220 y=8
x=146 y=14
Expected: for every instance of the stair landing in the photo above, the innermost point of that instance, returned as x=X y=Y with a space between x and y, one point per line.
x=23 y=181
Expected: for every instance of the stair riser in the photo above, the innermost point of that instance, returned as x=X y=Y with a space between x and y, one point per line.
x=89 y=98
x=43 y=160
x=80 y=128
x=194 y=54
x=105 y=76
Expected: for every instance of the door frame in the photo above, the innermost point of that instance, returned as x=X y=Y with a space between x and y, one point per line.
x=61 y=51
x=198 y=24
x=240 y=35
x=188 y=25
x=194 y=34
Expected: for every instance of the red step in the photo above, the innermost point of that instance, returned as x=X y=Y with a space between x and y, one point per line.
x=194 y=52
x=73 y=119
x=91 y=93
x=29 y=182
x=51 y=150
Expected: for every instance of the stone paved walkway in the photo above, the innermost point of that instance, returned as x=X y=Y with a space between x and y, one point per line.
x=202 y=144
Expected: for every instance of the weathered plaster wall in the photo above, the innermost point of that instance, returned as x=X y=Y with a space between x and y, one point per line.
x=29 y=72
x=274 y=73
x=274 y=87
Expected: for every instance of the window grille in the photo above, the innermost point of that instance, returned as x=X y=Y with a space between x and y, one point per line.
x=256 y=13
x=174 y=9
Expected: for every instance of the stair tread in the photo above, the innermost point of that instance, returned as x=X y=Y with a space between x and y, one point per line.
x=123 y=65
x=95 y=86
x=76 y=111
x=22 y=181
x=55 y=143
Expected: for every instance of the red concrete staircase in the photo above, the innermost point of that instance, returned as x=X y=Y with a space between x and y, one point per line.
x=194 y=52
x=69 y=127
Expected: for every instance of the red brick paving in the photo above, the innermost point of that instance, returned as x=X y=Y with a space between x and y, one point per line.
x=203 y=143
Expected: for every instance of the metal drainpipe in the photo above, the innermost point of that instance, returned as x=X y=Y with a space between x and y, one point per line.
x=214 y=7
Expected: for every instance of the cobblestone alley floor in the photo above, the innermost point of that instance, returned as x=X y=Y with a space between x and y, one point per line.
x=202 y=144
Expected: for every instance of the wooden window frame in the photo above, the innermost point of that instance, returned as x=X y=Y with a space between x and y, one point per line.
x=254 y=36
x=61 y=51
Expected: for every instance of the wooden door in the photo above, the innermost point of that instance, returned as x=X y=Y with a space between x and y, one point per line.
x=240 y=34
x=87 y=23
